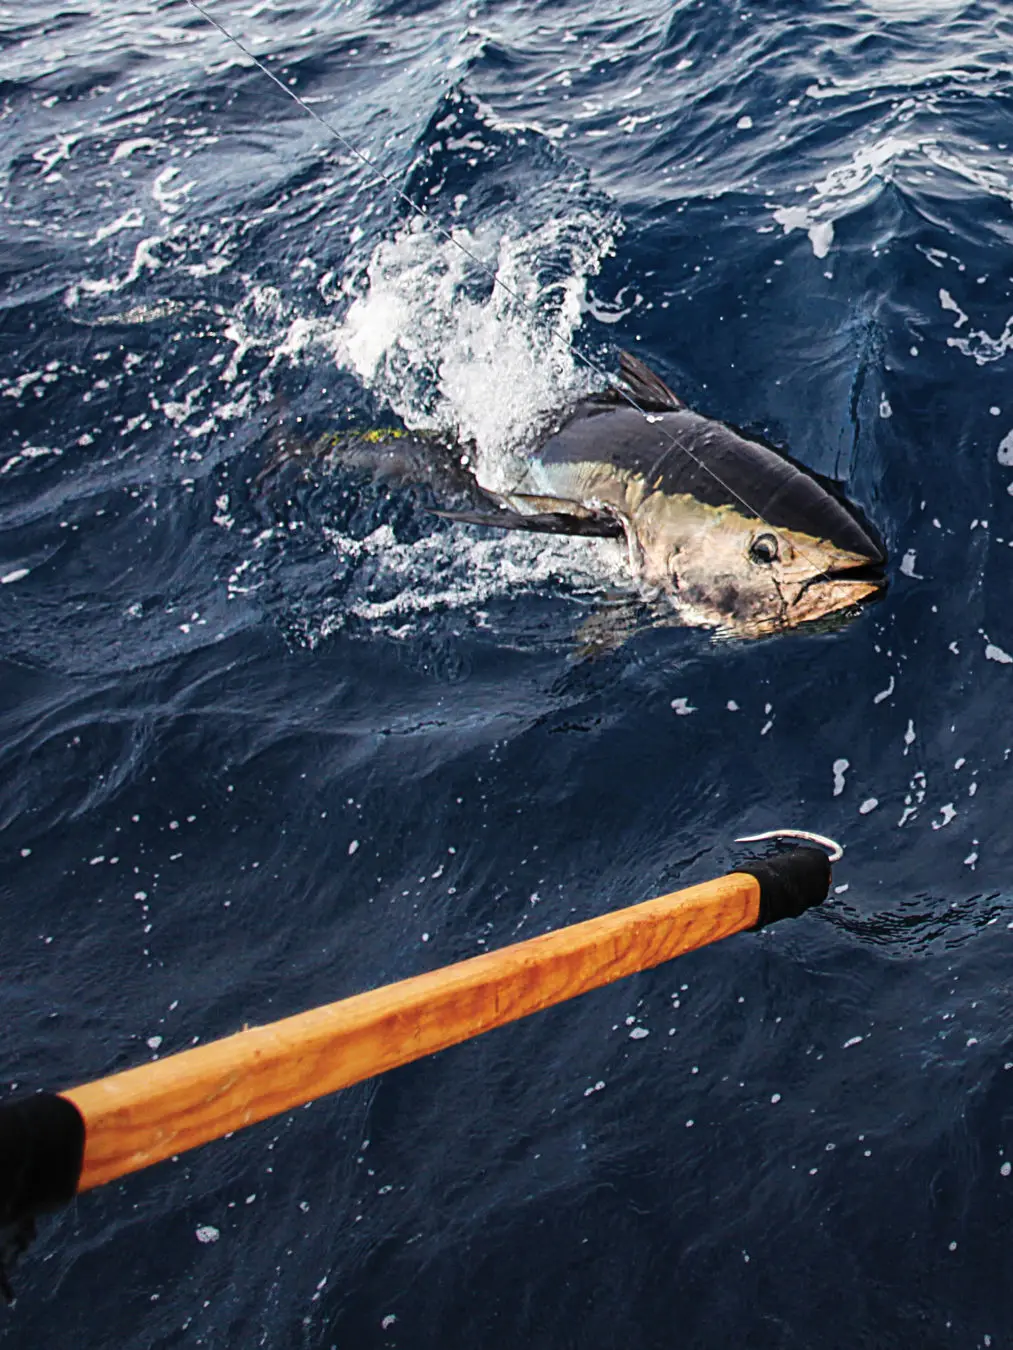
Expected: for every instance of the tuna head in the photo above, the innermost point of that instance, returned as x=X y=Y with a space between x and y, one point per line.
x=740 y=535
x=727 y=569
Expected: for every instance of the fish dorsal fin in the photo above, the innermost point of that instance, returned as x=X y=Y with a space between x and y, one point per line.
x=649 y=390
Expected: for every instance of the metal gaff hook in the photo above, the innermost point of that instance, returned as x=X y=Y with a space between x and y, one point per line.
x=834 y=849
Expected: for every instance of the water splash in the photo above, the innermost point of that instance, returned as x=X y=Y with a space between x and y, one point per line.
x=450 y=351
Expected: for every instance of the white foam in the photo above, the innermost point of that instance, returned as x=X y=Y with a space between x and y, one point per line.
x=144 y=260
x=170 y=199
x=451 y=569
x=907 y=564
x=27 y=453
x=946 y=301
x=16 y=387
x=129 y=220
x=821 y=236
x=850 y=186
x=846 y=188
x=983 y=348
x=126 y=148
x=885 y=693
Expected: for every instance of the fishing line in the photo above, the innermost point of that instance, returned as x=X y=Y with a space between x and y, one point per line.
x=443 y=232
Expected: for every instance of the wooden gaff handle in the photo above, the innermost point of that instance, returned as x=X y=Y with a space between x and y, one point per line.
x=138 y=1117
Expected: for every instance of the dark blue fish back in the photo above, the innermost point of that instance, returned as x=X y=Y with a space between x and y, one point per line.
x=684 y=453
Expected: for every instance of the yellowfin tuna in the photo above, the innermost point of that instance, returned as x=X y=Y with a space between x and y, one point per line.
x=737 y=535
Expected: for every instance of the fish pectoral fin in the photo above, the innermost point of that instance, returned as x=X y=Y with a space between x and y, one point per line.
x=613 y=623
x=545 y=522
x=650 y=390
x=541 y=515
x=606 y=629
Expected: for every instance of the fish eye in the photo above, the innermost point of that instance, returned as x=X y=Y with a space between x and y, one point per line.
x=763 y=549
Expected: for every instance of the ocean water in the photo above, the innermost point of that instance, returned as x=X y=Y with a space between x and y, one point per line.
x=267 y=745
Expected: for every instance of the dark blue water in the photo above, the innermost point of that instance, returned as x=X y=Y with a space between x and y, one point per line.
x=261 y=749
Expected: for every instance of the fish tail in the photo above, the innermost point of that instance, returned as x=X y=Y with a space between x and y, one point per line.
x=391 y=455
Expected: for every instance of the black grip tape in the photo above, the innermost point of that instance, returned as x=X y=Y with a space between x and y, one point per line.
x=41 y=1152
x=790 y=883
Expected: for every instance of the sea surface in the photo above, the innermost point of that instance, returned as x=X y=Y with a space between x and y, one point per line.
x=268 y=741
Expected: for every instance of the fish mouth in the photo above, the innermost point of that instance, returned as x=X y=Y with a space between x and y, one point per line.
x=871 y=573
x=844 y=585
